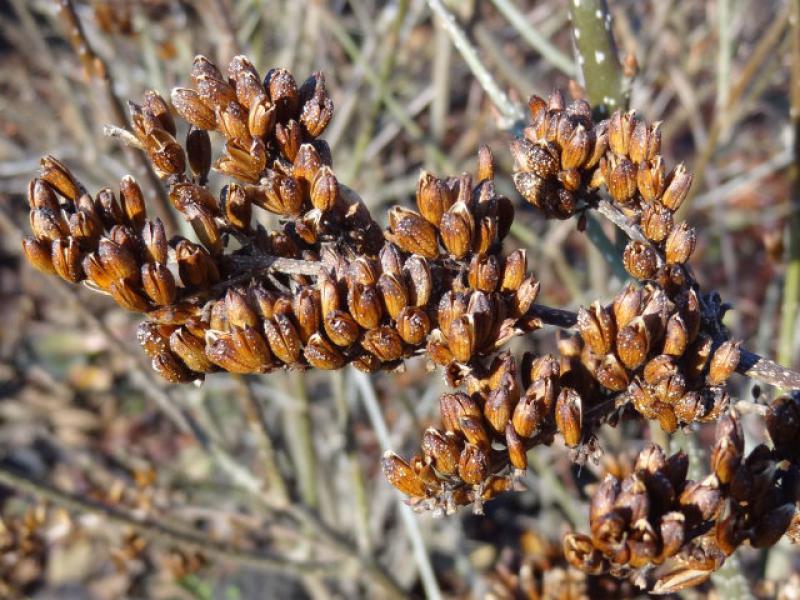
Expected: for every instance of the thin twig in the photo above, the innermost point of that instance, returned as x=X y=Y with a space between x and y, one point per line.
x=537 y=41
x=512 y=112
x=160 y=532
x=373 y=408
x=97 y=71
x=791 y=285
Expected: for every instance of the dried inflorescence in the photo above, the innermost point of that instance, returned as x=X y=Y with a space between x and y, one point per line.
x=564 y=161
x=656 y=354
x=328 y=287
x=538 y=570
x=665 y=531
x=439 y=282
x=487 y=430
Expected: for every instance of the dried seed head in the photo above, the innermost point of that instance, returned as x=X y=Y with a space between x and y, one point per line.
x=620 y=131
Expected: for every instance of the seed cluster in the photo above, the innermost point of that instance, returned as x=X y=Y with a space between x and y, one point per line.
x=655 y=353
x=481 y=449
x=655 y=525
x=564 y=156
x=436 y=280
x=539 y=571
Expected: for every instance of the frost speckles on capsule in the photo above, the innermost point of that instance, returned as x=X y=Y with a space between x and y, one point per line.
x=599 y=57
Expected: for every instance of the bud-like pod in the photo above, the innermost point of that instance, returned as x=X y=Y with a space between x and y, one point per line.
x=341 y=328
x=456 y=229
x=633 y=343
x=597 y=328
x=384 y=343
x=473 y=466
x=158 y=283
x=283 y=339
x=723 y=362
x=677 y=188
x=569 y=416
x=640 y=260
x=434 y=197
x=621 y=180
x=321 y=354
x=443 y=449
x=412 y=233
x=401 y=475
x=413 y=325
x=394 y=292
x=680 y=244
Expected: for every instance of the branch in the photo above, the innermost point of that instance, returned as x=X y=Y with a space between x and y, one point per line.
x=512 y=112
x=750 y=364
x=597 y=54
x=159 y=532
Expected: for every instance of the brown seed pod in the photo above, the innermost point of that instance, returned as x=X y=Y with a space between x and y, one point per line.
x=569 y=416
x=640 y=260
x=723 y=362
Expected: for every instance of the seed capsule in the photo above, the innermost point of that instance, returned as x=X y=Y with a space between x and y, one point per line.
x=611 y=374
x=656 y=222
x=569 y=416
x=462 y=337
x=473 y=466
x=621 y=180
x=680 y=244
x=190 y=349
x=365 y=305
x=66 y=259
x=541 y=158
x=723 y=362
x=317 y=110
x=321 y=354
x=413 y=325
x=650 y=180
x=597 y=328
x=60 y=178
x=384 y=343
x=640 y=260
x=456 y=229
x=170 y=367
x=283 y=339
x=620 y=131
x=341 y=328
x=400 y=474
x=443 y=449
x=484 y=273
x=324 y=190
x=394 y=292
x=38 y=254
x=514 y=271
x=633 y=343
x=158 y=284
x=434 y=197
x=676 y=338
x=581 y=554
x=412 y=233
x=127 y=296
x=678 y=184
